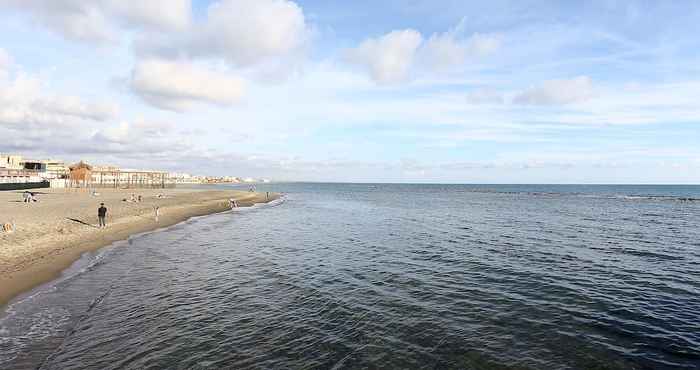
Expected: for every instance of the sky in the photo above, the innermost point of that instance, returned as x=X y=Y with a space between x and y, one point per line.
x=419 y=91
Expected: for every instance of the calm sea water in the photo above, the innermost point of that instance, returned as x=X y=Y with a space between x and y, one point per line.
x=386 y=276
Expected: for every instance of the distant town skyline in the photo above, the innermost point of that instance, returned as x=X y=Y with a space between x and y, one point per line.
x=359 y=91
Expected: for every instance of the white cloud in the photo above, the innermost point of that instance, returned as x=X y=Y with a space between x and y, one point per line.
x=19 y=91
x=96 y=21
x=25 y=104
x=394 y=57
x=35 y=120
x=159 y=14
x=130 y=134
x=558 y=92
x=451 y=49
x=444 y=51
x=388 y=58
x=114 y=134
x=73 y=19
x=74 y=106
x=480 y=44
x=180 y=85
x=246 y=32
x=266 y=39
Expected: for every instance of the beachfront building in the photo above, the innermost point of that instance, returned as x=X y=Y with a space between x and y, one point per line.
x=115 y=177
x=21 y=176
x=12 y=162
x=17 y=179
x=87 y=176
x=16 y=173
x=47 y=168
x=15 y=169
x=56 y=168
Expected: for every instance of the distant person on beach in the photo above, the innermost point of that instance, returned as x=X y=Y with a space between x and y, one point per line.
x=157 y=212
x=267 y=195
x=26 y=197
x=232 y=203
x=101 y=215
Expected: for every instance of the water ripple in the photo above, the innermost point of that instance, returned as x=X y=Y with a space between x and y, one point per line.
x=355 y=276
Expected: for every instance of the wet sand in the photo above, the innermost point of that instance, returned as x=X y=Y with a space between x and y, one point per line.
x=55 y=231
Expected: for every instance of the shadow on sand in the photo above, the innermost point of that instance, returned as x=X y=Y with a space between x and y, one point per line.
x=82 y=222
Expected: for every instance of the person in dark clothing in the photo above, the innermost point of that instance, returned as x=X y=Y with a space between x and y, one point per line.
x=101 y=215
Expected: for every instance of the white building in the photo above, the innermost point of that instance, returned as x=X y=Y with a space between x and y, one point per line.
x=13 y=162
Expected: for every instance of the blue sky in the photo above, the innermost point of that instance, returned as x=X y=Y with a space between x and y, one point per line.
x=398 y=91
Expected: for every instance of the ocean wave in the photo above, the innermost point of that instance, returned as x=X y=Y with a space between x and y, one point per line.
x=675 y=198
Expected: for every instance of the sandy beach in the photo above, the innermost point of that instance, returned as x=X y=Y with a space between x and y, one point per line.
x=52 y=233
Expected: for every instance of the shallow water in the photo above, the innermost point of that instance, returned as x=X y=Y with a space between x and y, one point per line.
x=386 y=276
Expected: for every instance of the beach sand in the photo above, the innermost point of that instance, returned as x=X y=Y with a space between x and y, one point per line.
x=55 y=231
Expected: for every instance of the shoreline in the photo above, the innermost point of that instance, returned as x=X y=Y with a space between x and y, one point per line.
x=31 y=257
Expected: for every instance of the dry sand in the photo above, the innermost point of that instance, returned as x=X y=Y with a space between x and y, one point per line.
x=53 y=232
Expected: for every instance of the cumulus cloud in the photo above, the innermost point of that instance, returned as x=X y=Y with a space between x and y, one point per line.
x=271 y=35
x=159 y=14
x=113 y=143
x=392 y=58
x=480 y=44
x=96 y=21
x=452 y=49
x=245 y=32
x=52 y=112
x=35 y=122
x=25 y=104
x=178 y=86
x=76 y=20
x=76 y=107
x=388 y=58
x=557 y=92
x=129 y=133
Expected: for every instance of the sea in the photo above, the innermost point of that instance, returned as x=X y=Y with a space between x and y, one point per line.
x=385 y=276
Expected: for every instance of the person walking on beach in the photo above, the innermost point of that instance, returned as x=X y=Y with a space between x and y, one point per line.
x=157 y=212
x=101 y=215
